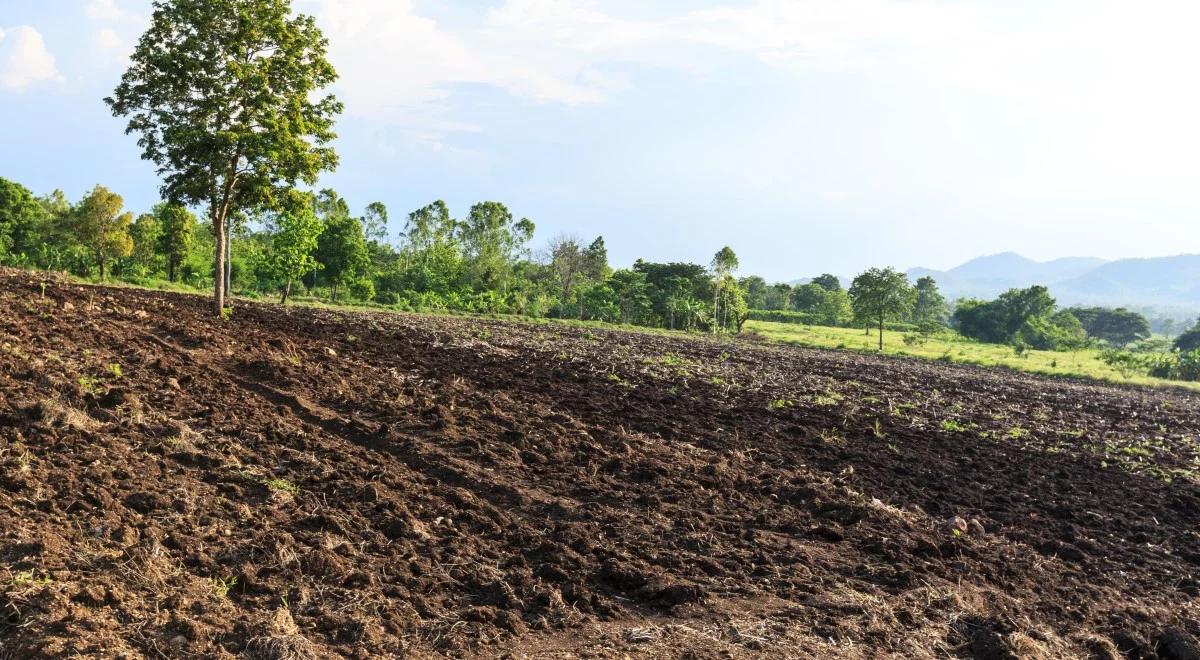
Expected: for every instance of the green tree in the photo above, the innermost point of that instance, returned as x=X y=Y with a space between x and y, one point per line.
x=1060 y=331
x=598 y=301
x=293 y=241
x=981 y=320
x=631 y=293
x=734 y=310
x=778 y=296
x=342 y=248
x=930 y=309
x=52 y=242
x=568 y=265
x=374 y=222
x=881 y=294
x=755 y=290
x=430 y=254
x=1118 y=327
x=145 y=232
x=675 y=290
x=22 y=219
x=175 y=239
x=808 y=297
x=1019 y=306
x=724 y=263
x=1017 y=313
x=224 y=95
x=1190 y=340
x=834 y=309
x=596 y=260
x=100 y=227
x=828 y=282
x=492 y=244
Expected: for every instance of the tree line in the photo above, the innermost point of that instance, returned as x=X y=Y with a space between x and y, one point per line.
x=314 y=244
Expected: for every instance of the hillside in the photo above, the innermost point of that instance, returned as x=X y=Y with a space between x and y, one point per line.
x=1161 y=282
x=301 y=483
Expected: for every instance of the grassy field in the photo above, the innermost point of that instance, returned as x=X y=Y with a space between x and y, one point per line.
x=955 y=348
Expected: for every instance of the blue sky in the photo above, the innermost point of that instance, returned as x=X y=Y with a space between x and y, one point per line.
x=810 y=135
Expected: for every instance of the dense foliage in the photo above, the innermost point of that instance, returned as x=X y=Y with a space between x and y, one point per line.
x=1118 y=327
x=1021 y=317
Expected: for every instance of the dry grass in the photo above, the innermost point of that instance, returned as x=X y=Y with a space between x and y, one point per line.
x=282 y=641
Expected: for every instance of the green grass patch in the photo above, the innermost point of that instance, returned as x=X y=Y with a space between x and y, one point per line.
x=953 y=348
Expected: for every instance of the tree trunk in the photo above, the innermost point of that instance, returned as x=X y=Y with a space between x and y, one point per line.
x=717 y=306
x=881 y=334
x=219 y=266
x=171 y=270
x=287 y=290
x=101 y=262
x=228 y=261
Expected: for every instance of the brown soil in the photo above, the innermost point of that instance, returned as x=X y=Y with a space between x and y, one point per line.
x=296 y=483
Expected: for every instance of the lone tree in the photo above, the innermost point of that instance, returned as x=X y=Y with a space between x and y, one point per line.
x=881 y=294
x=223 y=94
x=101 y=228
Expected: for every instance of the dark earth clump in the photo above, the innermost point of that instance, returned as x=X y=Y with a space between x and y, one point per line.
x=306 y=483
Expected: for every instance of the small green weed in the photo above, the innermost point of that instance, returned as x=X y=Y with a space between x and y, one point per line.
x=829 y=398
x=91 y=385
x=953 y=426
x=222 y=586
x=281 y=486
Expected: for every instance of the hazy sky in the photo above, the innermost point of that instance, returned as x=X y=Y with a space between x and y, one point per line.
x=810 y=135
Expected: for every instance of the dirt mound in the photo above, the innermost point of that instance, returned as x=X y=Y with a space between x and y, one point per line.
x=295 y=483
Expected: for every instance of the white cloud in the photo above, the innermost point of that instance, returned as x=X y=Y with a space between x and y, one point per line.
x=394 y=59
x=827 y=33
x=110 y=12
x=1084 y=71
x=116 y=31
x=110 y=44
x=395 y=62
x=24 y=59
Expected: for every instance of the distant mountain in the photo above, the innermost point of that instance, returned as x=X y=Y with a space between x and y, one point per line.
x=1164 y=282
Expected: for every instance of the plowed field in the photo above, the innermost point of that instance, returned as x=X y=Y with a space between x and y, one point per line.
x=296 y=483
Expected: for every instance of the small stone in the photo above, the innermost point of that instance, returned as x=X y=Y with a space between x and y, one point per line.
x=330 y=352
x=975 y=527
x=955 y=526
x=67 y=306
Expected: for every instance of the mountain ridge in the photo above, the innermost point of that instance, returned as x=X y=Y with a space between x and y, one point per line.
x=1170 y=281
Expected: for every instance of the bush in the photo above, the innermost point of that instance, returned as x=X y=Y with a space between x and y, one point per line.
x=1189 y=366
x=1125 y=362
x=1171 y=366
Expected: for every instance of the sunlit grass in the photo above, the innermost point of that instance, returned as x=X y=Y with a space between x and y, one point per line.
x=949 y=347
